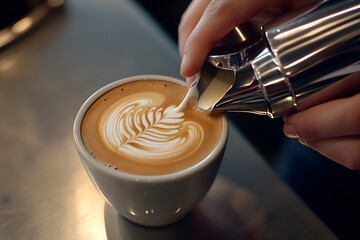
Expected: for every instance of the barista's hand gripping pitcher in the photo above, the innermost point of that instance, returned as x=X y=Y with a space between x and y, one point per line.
x=273 y=70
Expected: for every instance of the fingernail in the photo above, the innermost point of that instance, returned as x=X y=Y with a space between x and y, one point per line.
x=183 y=64
x=303 y=141
x=290 y=131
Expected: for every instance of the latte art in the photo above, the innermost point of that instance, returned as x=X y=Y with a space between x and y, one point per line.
x=142 y=127
x=136 y=127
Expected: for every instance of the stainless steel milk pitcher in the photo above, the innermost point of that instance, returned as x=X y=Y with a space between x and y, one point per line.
x=294 y=57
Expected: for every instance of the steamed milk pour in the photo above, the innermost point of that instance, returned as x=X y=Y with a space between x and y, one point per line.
x=293 y=58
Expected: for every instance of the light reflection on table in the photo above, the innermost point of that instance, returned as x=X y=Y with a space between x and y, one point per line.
x=227 y=212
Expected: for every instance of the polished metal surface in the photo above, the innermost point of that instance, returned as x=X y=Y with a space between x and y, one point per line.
x=45 y=192
x=300 y=54
x=240 y=92
x=314 y=47
x=240 y=44
x=234 y=50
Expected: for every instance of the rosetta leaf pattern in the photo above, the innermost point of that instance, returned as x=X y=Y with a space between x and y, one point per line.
x=138 y=130
x=150 y=125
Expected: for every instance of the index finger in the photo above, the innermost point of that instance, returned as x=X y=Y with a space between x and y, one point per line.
x=219 y=18
x=189 y=20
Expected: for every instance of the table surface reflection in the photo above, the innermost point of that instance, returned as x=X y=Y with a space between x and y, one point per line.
x=44 y=190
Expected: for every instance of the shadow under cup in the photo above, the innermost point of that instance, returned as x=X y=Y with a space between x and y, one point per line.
x=150 y=200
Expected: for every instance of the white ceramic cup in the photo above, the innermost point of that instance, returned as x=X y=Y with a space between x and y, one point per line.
x=150 y=200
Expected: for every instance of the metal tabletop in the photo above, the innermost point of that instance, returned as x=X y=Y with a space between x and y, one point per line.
x=45 y=192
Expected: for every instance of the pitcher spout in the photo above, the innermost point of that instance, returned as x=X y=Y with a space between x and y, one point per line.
x=231 y=90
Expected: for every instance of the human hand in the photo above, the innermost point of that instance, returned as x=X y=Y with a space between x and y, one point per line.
x=331 y=128
x=206 y=22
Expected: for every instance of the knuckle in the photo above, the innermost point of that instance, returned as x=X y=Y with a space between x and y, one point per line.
x=192 y=40
x=219 y=7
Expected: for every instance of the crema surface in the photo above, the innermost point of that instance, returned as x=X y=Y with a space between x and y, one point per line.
x=135 y=128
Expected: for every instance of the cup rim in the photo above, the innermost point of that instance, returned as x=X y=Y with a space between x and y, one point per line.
x=86 y=156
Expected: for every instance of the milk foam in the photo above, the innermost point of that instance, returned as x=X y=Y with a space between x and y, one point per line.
x=138 y=127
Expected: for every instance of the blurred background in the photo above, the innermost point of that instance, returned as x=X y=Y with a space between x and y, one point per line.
x=19 y=17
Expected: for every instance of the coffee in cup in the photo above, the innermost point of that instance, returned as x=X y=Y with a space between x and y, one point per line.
x=136 y=128
x=150 y=160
